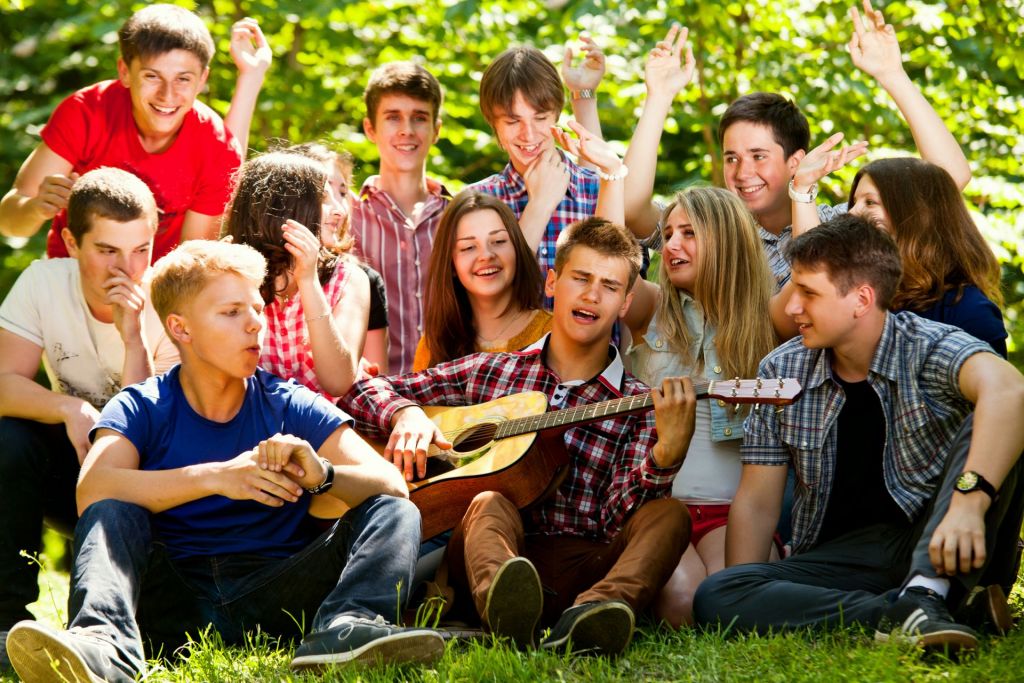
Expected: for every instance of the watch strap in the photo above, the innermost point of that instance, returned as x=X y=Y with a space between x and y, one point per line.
x=328 y=481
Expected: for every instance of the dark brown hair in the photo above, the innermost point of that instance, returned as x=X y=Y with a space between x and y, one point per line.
x=788 y=124
x=272 y=188
x=853 y=252
x=524 y=70
x=941 y=247
x=108 y=193
x=157 y=29
x=449 y=329
x=403 y=78
x=604 y=237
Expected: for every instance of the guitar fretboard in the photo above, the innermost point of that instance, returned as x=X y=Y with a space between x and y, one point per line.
x=586 y=413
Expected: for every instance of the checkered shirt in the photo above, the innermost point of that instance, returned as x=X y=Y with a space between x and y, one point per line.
x=611 y=471
x=775 y=245
x=914 y=371
x=580 y=202
x=399 y=249
x=286 y=349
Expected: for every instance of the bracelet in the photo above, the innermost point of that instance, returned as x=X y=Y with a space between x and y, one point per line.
x=618 y=175
x=584 y=94
x=328 y=479
x=318 y=317
x=803 y=197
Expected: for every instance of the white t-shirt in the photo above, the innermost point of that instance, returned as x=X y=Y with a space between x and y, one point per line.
x=83 y=357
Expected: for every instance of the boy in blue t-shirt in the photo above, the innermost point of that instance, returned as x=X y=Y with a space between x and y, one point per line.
x=193 y=503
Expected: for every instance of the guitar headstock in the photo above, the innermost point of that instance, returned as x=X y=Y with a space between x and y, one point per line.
x=781 y=391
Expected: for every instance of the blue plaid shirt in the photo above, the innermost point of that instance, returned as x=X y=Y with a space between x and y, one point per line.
x=580 y=202
x=775 y=245
x=915 y=372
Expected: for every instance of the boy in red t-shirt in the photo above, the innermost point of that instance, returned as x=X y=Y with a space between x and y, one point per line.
x=147 y=122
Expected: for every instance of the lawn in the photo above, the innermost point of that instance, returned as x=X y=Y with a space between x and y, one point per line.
x=657 y=654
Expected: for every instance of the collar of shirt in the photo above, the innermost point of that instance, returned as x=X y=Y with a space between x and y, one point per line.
x=517 y=184
x=885 y=361
x=611 y=376
x=370 y=189
x=772 y=238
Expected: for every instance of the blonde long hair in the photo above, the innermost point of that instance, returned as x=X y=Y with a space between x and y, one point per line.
x=733 y=285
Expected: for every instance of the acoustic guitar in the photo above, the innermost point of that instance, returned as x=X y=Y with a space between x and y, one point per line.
x=513 y=445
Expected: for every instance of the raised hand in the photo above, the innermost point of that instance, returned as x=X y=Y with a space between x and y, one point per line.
x=873 y=46
x=587 y=74
x=53 y=194
x=667 y=71
x=249 y=48
x=825 y=159
x=588 y=147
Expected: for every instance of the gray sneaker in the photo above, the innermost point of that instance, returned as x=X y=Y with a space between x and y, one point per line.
x=600 y=628
x=920 y=616
x=41 y=654
x=356 y=640
x=514 y=602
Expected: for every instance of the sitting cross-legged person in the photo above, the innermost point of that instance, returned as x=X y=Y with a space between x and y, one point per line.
x=599 y=550
x=193 y=503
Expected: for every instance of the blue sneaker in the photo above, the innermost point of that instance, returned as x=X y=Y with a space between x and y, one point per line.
x=374 y=642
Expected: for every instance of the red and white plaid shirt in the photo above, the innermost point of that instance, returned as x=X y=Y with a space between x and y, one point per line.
x=611 y=471
x=399 y=250
x=286 y=349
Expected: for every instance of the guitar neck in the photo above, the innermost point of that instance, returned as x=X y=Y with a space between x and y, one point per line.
x=592 y=412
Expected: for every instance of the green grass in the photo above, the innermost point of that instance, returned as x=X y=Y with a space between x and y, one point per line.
x=657 y=654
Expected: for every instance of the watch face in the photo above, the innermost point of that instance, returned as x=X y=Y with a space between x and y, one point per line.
x=967 y=481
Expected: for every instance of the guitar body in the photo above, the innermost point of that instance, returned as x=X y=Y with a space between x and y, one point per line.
x=524 y=468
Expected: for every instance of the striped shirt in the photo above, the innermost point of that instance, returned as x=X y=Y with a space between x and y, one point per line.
x=775 y=245
x=580 y=202
x=399 y=249
x=915 y=372
x=611 y=470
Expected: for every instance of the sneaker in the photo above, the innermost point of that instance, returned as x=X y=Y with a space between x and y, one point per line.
x=514 y=602
x=602 y=628
x=986 y=610
x=42 y=654
x=356 y=640
x=920 y=616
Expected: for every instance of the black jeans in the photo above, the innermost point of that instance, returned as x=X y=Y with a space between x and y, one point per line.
x=38 y=472
x=851 y=578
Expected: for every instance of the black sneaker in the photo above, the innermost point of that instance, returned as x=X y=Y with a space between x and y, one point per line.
x=514 y=602
x=42 y=654
x=602 y=628
x=920 y=616
x=367 y=641
x=987 y=611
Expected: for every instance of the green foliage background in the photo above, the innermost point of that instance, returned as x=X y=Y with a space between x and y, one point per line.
x=967 y=56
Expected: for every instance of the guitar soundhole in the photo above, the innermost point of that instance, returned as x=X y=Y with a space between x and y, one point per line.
x=475 y=438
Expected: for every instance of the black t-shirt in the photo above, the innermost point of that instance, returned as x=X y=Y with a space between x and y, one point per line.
x=859 y=497
x=378 y=299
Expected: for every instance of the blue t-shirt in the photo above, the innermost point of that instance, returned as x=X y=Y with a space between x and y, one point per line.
x=168 y=434
x=974 y=313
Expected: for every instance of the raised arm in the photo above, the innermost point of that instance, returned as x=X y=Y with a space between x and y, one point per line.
x=41 y=189
x=669 y=69
x=252 y=55
x=815 y=165
x=599 y=154
x=875 y=51
x=582 y=81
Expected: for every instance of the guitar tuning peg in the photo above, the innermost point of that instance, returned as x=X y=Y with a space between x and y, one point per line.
x=737 y=381
x=777 y=394
x=735 y=408
x=781 y=382
x=778 y=409
x=757 y=407
x=758 y=382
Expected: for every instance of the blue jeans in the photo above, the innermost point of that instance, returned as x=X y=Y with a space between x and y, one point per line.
x=125 y=587
x=38 y=472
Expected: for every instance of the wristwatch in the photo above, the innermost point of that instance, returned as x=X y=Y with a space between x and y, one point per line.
x=803 y=197
x=971 y=481
x=328 y=481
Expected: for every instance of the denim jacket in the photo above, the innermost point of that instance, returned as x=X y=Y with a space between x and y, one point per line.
x=655 y=360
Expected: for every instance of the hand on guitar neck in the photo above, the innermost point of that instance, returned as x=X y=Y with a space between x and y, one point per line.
x=412 y=432
x=675 y=413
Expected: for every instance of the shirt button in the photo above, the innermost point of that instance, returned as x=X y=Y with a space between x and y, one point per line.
x=544 y=251
x=418 y=295
x=727 y=431
x=721 y=403
x=718 y=369
x=805 y=444
x=417 y=262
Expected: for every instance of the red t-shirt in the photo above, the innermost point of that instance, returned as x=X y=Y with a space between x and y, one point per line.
x=94 y=127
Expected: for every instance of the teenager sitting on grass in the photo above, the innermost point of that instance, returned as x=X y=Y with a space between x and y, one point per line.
x=193 y=503
x=597 y=551
x=905 y=443
x=317 y=302
x=484 y=292
x=707 y=318
x=149 y=122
